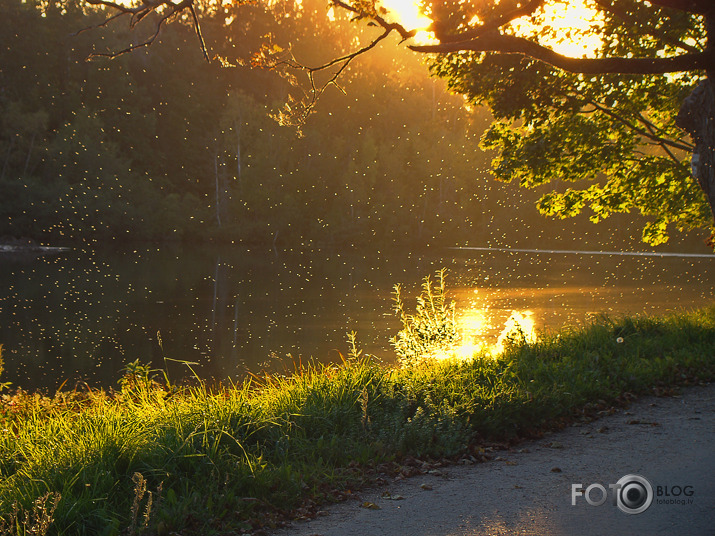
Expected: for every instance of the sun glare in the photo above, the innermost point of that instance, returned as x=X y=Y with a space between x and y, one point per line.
x=408 y=13
x=519 y=328
x=570 y=26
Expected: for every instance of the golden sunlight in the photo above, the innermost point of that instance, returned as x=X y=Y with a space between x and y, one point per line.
x=519 y=329
x=472 y=325
x=569 y=27
x=572 y=27
x=409 y=14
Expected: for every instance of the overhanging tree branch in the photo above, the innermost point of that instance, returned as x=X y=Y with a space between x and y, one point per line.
x=509 y=44
x=379 y=19
x=315 y=91
x=165 y=8
x=491 y=25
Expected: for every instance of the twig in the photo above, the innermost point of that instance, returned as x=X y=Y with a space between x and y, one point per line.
x=138 y=13
x=197 y=27
x=317 y=91
x=651 y=136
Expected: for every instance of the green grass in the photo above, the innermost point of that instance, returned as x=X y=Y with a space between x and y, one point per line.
x=201 y=461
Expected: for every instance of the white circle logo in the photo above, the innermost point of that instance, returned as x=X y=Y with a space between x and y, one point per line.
x=634 y=494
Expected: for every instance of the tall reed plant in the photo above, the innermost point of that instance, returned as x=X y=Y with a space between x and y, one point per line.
x=432 y=330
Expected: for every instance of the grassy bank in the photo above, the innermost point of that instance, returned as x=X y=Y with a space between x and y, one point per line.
x=199 y=461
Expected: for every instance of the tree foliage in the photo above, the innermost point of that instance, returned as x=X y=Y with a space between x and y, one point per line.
x=607 y=142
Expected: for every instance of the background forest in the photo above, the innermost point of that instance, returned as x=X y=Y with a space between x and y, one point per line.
x=159 y=144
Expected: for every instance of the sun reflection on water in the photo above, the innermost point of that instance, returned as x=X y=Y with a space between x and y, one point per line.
x=476 y=325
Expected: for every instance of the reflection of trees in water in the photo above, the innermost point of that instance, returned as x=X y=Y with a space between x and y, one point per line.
x=86 y=314
x=228 y=332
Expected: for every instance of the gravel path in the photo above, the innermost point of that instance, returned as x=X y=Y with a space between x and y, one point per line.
x=528 y=490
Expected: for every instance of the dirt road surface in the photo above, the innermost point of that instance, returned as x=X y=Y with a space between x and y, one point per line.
x=529 y=490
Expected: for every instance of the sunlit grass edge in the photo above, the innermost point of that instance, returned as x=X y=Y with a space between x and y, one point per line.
x=199 y=460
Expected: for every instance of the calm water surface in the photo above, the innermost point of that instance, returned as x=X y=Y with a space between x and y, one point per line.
x=84 y=314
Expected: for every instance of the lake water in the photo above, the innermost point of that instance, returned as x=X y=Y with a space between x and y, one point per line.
x=82 y=315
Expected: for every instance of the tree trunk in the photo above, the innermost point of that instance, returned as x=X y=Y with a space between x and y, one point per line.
x=697 y=118
x=7 y=157
x=29 y=154
x=216 y=187
x=237 y=129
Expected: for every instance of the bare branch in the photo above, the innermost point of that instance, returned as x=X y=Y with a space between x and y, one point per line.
x=130 y=48
x=341 y=63
x=139 y=12
x=349 y=57
x=100 y=25
x=317 y=91
x=197 y=26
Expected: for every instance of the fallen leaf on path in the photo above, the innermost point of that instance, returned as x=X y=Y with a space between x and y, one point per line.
x=647 y=423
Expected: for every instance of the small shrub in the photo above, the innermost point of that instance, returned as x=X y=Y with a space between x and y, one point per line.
x=137 y=376
x=432 y=330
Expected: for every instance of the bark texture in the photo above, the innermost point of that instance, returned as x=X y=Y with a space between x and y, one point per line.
x=697 y=118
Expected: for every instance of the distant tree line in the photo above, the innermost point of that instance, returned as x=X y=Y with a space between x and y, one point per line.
x=159 y=144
